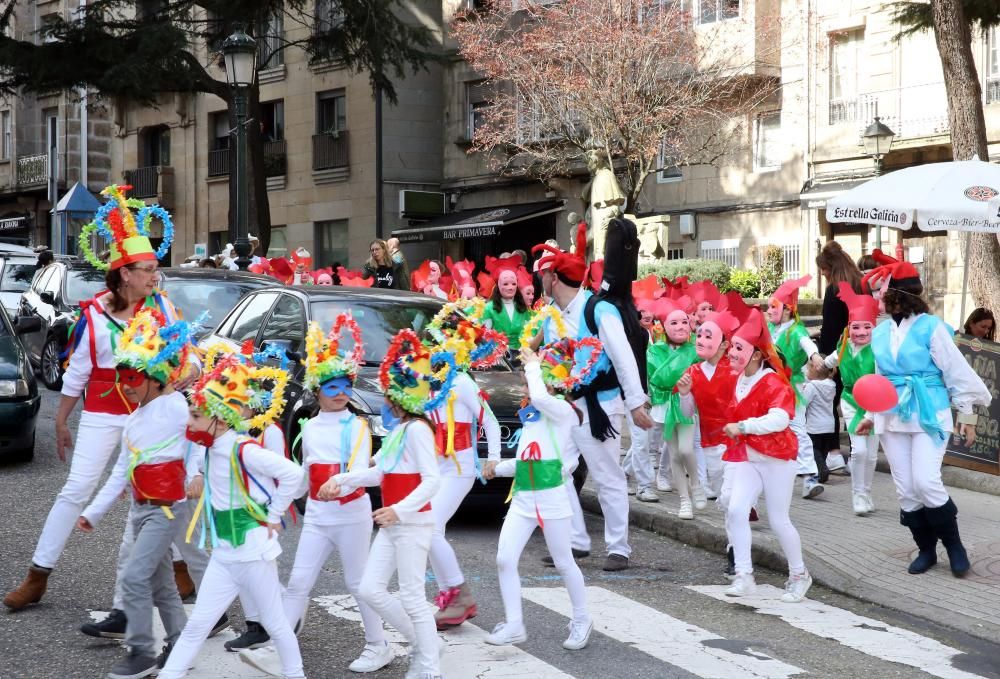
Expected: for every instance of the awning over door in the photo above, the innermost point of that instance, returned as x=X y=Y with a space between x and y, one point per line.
x=477 y=223
x=816 y=191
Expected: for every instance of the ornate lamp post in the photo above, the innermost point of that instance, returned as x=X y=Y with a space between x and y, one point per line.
x=240 y=52
x=878 y=142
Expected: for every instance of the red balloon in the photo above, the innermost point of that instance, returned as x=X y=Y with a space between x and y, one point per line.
x=875 y=394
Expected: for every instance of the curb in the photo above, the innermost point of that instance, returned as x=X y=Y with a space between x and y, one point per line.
x=705 y=533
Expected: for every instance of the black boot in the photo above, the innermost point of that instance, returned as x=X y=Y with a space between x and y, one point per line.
x=923 y=536
x=943 y=521
x=730 y=563
x=112 y=627
x=821 y=469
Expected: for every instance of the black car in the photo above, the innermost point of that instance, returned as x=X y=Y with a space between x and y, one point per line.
x=279 y=316
x=55 y=295
x=19 y=398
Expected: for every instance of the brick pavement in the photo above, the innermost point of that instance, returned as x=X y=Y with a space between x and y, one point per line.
x=865 y=557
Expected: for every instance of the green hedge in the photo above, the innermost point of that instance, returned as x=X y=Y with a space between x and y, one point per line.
x=694 y=269
x=747 y=283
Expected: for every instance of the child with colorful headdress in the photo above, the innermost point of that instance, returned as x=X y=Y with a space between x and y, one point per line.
x=334 y=441
x=90 y=375
x=149 y=356
x=244 y=491
x=458 y=329
x=413 y=380
x=545 y=459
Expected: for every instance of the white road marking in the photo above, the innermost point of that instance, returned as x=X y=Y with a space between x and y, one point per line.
x=870 y=636
x=466 y=655
x=664 y=637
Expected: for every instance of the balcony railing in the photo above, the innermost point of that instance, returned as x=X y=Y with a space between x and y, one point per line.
x=330 y=150
x=992 y=90
x=912 y=111
x=32 y=169
x=275 y=160
x=144 y=181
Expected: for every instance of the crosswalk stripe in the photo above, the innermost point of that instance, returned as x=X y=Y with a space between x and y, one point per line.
x=870 y=636
x=467 y=653
x=664 y=637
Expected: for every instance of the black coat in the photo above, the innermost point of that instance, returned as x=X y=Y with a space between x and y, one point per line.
x=834 y=321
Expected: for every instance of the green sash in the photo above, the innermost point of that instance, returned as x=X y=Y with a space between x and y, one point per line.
x=537 y=475
x=852 y=368
x=671 y=364
x=789 y=343
x=232 y=525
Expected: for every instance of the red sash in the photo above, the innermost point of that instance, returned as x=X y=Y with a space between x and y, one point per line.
x=320 y=473
x=160 y=481
x=104 y=394
x=396 y=487
x=463 y=436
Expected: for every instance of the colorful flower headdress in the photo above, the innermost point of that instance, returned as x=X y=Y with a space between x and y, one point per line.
x=324 y=360
x=547 y=313
x=458 y=329
x=127 y=233
x=408 y=376
x=243 y=396
x=151 y=345
x=566 y=363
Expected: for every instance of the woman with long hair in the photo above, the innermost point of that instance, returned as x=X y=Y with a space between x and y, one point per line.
x=381 y=267
x=981 y=324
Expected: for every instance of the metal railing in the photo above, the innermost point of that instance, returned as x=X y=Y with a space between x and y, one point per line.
x=730 y=256
x=330 y=150
x=32 y=169
x=270 y=51
x=911 y=111
x=791 y=259
x=992 y=90
x=218 y=162
x=145 y=181
x=275 y=160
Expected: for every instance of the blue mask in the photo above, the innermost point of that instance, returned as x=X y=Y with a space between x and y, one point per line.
x=529 y=413
x=337 y=386
x=389 y=420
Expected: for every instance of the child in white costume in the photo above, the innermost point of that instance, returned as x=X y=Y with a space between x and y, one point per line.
x=540 y=498
x=407 y=470
x=244 y=492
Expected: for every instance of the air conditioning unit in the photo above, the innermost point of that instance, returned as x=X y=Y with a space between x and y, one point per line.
x=421 y=204
x=687 y=224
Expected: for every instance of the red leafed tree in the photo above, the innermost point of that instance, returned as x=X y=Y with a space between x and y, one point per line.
x=631 y=78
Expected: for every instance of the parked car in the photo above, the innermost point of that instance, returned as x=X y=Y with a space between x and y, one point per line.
x=17 y=268
x=19 y=398
x=279 y=316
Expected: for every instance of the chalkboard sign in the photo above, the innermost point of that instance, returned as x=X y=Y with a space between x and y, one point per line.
x=984 y=357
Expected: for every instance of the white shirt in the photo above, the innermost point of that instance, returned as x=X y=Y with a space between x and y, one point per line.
x=820 y=395
x=418 y=457
x=467 y=405
x=508 y=306
x=162 y=419
x=322 y=438
x=555 y=426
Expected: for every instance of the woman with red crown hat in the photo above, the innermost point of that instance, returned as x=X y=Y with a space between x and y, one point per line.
x=917 y=353
x=761 y=410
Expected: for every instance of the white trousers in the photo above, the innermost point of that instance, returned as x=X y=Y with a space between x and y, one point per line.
x=252 y=580
x=659 y=452
x=402 y=549
x=449 y=496
x=915 y=463
x=806 y=458
x=612 y=489
x=776 y=478
x=683 y=461
x=638 y=462
x=714 y=472
x=514 y=535
x=864 y=457
x=316 y=545
x=96 y=441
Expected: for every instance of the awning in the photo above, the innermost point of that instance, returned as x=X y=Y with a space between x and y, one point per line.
x=78 y=202
x=478 y=223
x=816 y=192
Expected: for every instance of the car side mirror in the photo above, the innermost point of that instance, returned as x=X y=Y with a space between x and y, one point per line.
x=47 y=296
x=26 y=324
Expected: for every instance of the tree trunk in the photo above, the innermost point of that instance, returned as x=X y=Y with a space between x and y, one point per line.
x=968 y=131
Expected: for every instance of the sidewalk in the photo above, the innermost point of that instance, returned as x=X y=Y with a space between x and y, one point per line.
x=865 y=557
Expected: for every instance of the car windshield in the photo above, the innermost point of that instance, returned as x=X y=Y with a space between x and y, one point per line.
x=213 y=297
x=17 y=275
x=83 y=284
x=379 y=322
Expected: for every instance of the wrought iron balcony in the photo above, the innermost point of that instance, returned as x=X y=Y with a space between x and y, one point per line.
x=330 y=150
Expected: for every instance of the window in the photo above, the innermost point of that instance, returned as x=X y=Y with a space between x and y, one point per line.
x=478 y=96
x=17 y=275
x=7 y=142
x=51 y=118
x=269 y=35
x=39 y=283
x=993 y=65
x=286 y=324
x=251 y=318
x=329 y=15
x=767 y=145
x=154 y=146
x=331 y=112
x=272 y=120
x=845 y=49
x=668 y=171
x=279 y=242
x=727 y=251
x=331 y=243
x=219 y=129
x=146 y=10
x=710 y=11
x=675 y=253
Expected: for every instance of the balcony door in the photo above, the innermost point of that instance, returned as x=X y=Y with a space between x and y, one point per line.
x=154 y=146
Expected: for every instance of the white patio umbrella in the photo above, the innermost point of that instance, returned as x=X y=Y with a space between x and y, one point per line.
x=962 y=195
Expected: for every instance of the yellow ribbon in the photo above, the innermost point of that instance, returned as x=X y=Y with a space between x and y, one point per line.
x=194 y=519
x=357 y=444
x=449 y=450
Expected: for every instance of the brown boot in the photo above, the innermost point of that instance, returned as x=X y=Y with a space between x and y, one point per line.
x=456 y=606
x=185 y=585
x=30 y=591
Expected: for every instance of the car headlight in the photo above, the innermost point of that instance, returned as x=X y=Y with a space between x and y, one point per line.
x=10 y=388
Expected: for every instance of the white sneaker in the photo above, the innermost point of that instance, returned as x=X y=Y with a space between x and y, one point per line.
x=811 y=487
x=796 y=587
x=834 y=462
x=870 y=502
x=743 y=585
x=504 y=634
x=646 y=495
x=685 y=511
x=373 y=657
x=859 y=504
x=265 y=659
x=699 y=497
x=579 y=634
x=663 y=484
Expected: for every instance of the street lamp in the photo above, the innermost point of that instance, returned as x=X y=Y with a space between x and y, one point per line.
x=240 y=52
x=878 y=142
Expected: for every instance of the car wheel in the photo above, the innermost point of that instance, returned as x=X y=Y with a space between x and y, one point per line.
x=25 y=454
x=50 y=368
